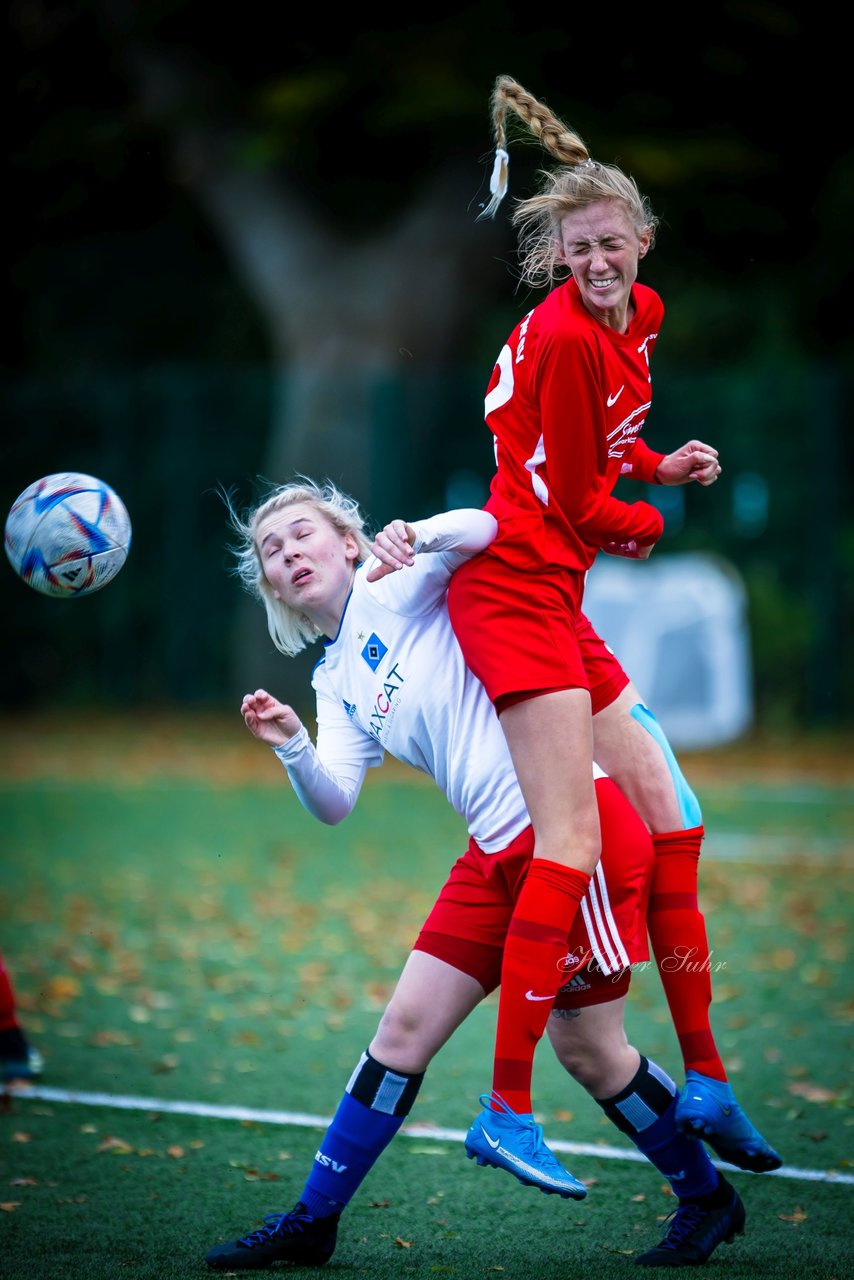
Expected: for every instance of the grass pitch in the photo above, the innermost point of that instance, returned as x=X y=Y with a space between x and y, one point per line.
x=184 y=939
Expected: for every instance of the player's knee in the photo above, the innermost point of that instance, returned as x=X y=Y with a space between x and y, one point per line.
x=602 y=1069
x=584 y=1058
x=400 y=1032
x=589 y=1066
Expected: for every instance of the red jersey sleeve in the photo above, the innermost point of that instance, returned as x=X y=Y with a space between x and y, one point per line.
x=574 y=440
x=642 y=462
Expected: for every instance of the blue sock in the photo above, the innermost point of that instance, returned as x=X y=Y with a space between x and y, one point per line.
x=374 y=1106
x=646 y=1111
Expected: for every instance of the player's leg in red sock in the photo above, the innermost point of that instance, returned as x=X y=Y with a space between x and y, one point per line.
x=505 y=1134
x=532 y=972
x=633 y=749
x=677 y=931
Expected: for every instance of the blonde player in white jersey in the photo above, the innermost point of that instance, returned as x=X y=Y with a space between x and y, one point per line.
x=392 y=678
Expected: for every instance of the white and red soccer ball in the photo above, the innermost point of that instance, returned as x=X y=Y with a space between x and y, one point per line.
x=68 y=534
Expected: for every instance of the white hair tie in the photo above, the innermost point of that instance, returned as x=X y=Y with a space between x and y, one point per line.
x=497 y=183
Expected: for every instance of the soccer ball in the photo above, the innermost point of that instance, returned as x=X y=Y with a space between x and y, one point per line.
x=68 y=534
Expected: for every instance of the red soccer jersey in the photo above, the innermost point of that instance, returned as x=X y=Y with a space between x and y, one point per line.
x=566 y=402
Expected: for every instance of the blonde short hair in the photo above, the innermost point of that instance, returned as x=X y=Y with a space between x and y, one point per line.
x=290 y=631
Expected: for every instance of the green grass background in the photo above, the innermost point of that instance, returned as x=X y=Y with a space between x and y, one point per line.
x=178 y=928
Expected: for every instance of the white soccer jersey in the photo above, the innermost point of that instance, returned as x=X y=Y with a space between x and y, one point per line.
x=394 y=679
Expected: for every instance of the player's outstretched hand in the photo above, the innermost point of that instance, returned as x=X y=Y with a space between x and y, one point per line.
x=694 y=461
x=268 y=719
x=393 y=548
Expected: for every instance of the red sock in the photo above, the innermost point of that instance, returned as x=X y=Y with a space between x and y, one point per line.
x=7 y=1000
x=531 y=973
x=677 y=931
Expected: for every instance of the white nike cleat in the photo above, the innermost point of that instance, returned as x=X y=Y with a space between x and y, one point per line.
x=501 y=1138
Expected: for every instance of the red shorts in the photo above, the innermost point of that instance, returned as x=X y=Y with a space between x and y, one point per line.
x=525 y=633
x=517 y=630
x=468 y=923
x=605 y=677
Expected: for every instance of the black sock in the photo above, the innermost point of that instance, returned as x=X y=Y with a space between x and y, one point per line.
x=13 y=1045
x=646 y=1112
x=716 y=1199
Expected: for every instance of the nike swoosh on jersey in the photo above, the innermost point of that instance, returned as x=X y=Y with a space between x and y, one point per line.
x=612 y=400
x=495 y=1143
x=529 y=995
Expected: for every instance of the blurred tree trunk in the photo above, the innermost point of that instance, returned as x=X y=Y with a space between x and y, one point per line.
x=350 y=321
x=360 y=326
x=351 y=316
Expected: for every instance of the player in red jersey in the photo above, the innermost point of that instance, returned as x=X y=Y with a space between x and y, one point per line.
x=566 y=402
x=20 y=1063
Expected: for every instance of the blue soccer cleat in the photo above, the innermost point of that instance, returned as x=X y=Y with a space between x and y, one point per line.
x=695 y=1231
x=707 y=1109
x=509 y=1141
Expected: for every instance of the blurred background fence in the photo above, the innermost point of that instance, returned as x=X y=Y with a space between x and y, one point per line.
x=233 y=258
x=176 y=628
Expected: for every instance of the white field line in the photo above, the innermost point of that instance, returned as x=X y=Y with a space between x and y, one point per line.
x=429 y=1133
